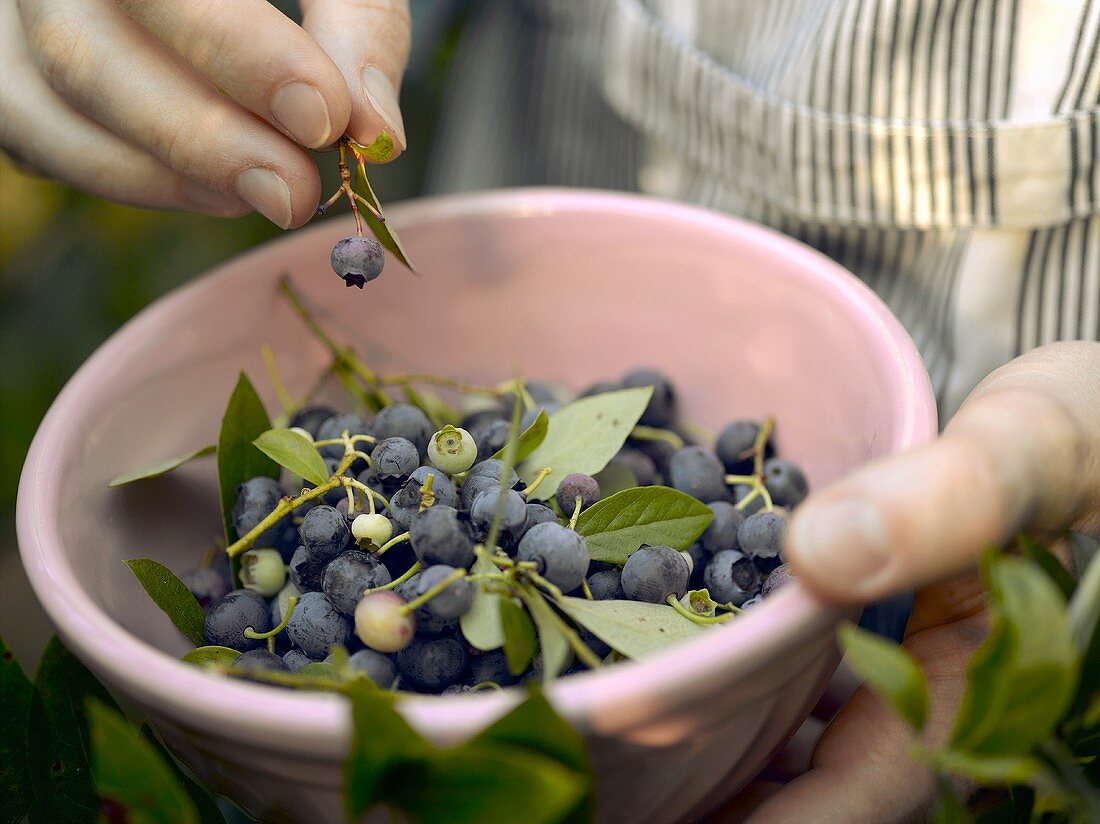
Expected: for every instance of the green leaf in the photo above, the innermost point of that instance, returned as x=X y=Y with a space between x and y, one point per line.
x=60 y=741
x=211 y=656
x=238 y=459
x=632 y=628
x=985 y=769
x=889 y=670
x=1084 y=621
x=131 y=773
x=172 y=596
x=949 y=809
x=17 y=694
x=1084 y=608
x=380 y=740
x=529 y=439
x=160 y=468
x=380 y=228
x=556 y=651
x=1021 y=680
x=481 y=624
x=615 y=527
x=1046 y=560
x=205 y=804
x=614 y=478
x=294 y=452
x=519 y=635
x=583 y=436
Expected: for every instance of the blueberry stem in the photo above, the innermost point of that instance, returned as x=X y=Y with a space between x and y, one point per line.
x=284 y=508
x=674 y=602
x=416 y=603
x=652 y=433
x=587 y=590
x=527 y=594
x=758 y=446
x=508 y=461
x=427 y=496
x=396 y=582
x=423 y=377
x=291 y=602
x=276 y=380
x=366 y=205
x=486 y=685
x=345 y=186
x=754 y=493
x=542 y=582
x=538 y=479
x=392 y=542
x=576 y=513
x=750 y=480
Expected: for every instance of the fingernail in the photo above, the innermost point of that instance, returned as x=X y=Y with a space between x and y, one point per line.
x=301 y=110
x=383 y=98
x=267 y=193
x=845 y=542
x=206 y=200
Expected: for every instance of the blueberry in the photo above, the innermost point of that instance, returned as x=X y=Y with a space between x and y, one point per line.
x=785 y=482
x=742 y=491
x=452 y=450
x=256 y=499
x=207 y=585
x=577 y=485
x=730 y=577
x=473 y=487
x=661 y=409
x=228 y=618
x=377 y=667
x=660 y=452
x=561 y=554
x=403 y=420
x=335 y=426
x=599 y=388
x=358 y=260
x=316 y=625
x=696 y=471
x=375 y=529
x=432 y=665
x=485 y=475
x=425 y=622
x=490 y=437
x=405 y=503
x=263 y=571
x=295 y=659
x=640 y=465
x=653 y=573
x=472 y=419
x=492 y=667
x=721 y=532
x=259 y=660
x=761 y=538
x=305 y=570
x=539 y=514
x=452 y=602
x=439 y=535
x=607 y=585
x=380 y=623
x=394 y=460
x=778 y=578
x=348 y=575
x=734 y=446
x=310 y=418
x=513 y=516
x=325 y=533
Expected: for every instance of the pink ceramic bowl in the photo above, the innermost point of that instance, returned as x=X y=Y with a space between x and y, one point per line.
x=565 y=285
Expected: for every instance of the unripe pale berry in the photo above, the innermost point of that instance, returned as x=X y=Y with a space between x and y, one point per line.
x=374 y=528
x=452 y=449
x=380 y=624
x=263 y=571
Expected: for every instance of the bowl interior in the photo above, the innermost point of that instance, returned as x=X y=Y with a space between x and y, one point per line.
x=560 y=285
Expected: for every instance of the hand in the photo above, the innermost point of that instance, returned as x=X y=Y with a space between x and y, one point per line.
x=121 y=97
x=1022 y=454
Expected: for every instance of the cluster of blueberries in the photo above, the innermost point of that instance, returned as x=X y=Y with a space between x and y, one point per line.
x=349 y=573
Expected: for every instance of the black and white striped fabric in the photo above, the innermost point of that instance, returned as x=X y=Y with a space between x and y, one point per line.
x=943 y=150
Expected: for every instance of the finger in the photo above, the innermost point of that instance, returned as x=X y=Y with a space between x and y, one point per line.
x=92 y=159
x=155 y=101
x=259 y=57
x=1022 y=453
x=369 y=41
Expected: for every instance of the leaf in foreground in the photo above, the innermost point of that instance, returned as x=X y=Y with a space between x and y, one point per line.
x=18 y=695
x=632 y=628
x=211 y=656
x=481 y=624
x=519 y=636
x=529 y=439
x=129 y=772
x=890 y=671
x=205 y=804
x=615 y=527
x=161 y=467
x=172 y=596
x=554 y=646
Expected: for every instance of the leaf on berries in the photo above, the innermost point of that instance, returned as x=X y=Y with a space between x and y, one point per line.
x=615 y=527
x=19 y=695
x=519 y=636
x=172 y=596
x=529 y=439
x=245 y=419
x=294 y=452
x=889 y=670
x=552 y=641
x=160 y=468
x=129 y=772
x=1022 y=679
x=583 y=436
x=211 y=656
x=205 y=804
x=481 y=624
x=632 y=628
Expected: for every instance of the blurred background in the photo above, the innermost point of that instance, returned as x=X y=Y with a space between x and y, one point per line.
x=74 y=268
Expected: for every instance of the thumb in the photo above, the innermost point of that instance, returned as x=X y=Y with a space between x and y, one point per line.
x=369 y=42
x=1022 y=453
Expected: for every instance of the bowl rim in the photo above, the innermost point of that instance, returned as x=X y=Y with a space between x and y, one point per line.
x=317 y=723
